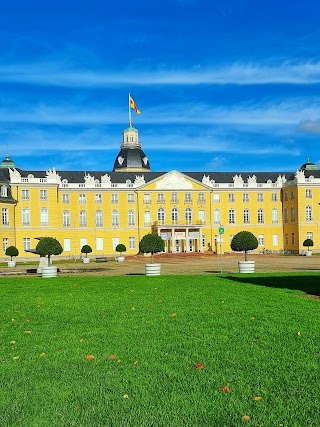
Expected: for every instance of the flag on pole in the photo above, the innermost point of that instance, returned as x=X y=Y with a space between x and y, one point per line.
x=134 y=106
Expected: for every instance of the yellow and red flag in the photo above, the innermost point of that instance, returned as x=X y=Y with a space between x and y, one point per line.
x=134 y=106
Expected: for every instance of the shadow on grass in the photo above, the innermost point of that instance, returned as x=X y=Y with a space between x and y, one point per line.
x=307 y=284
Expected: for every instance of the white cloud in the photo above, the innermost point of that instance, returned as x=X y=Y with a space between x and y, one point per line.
x=309 y=126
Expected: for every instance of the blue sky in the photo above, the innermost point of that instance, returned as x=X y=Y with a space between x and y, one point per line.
x=221 y=85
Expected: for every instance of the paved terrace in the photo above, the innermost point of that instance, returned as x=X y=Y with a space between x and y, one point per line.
x=194 y=263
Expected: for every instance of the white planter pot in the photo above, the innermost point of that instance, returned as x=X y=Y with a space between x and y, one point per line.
x=11 y=263
x=49 y=271
x=121 y=258
x=308 y=253
x=85 y=260
x=246 y=266
x=153 y=269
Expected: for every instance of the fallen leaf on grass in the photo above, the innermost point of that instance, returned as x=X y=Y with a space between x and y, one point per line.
x=135 y=362
x=299 y=334
x=119 y=361
x=125 y=396
x=89 y=357
x=113 y=357
x=42 y=354
x=256 y=398
x=174 y=314
x=12 y=342
x=199 y=365
x=253 y=318
x=27 y=332
x=246 y=418
x=77 y=408
x=27 y=320
x=225 y=389
x=16 y=357
x=82 y=340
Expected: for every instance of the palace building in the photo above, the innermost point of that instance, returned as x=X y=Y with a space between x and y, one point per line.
x=104 y=208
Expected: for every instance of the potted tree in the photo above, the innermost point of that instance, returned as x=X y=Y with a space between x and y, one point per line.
x=120 y=248
x=151 y=244
x=245 y=241
x=47 y=247
x=86 y=249
x=12 y=251
x=307 y=243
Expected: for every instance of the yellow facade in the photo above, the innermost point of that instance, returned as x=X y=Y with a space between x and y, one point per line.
x=186 y=209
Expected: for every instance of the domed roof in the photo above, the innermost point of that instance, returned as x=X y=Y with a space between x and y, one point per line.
x=131 y=159
x=308 y=166
x=7 y=163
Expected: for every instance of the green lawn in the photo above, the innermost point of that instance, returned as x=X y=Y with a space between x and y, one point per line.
x=257 y=334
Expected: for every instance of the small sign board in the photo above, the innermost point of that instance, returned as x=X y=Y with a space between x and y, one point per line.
x=221 y=230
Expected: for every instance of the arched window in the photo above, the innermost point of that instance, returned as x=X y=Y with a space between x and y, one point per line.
x=161 y=215
x=188 y=215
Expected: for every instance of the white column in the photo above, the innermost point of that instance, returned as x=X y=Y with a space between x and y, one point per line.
x=200 y=237
x=187 y=240
x=173 y=241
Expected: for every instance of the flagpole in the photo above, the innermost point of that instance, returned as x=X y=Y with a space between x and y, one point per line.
x=130 y=121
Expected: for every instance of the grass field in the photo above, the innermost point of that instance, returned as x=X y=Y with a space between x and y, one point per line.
x=162 y=351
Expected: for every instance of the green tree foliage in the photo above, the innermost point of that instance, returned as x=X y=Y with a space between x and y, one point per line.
x=86 y=249
x=12 y=251
x=244 y=241
x=120 y=248
x=151 y=244
x=307 y=243
x=48 y=246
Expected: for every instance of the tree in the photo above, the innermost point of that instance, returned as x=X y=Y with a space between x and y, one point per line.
x=120 y=248
x=244 y=241
x=307 y=243
x=12 y=251
x=48 y=246
x=151 y=244
x=86 y=249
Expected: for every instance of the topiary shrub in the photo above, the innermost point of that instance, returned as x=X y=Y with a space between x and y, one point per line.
x=48 y=246
x=86 y=249
x=307 y=243
x=120 y=248
x=151 y=244
x=12 y=251
x=244 y=241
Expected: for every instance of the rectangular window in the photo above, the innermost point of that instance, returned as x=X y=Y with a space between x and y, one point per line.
x=261 y=239
x=82 y=198
x=308 y=194
x=201 y=198
x=245 y=197
x=66 y=218
x=231 y=197
x=201 y=216
x=274 y=197
x=216 y=198
x=115 y=218
x=44 y=217
x=246 y=216
x=310 y=235
x=160 y=198
x=98 y=198
x=83 y=242
x=293 y=239
x=146 y=198
x=293 y=214
x=308 y=213
x=187 y=198
x=26 y=243
x=216 y=216
x=286 y=216
x=99 y=243
x=65 y=198
x=5 y=244
x=66 y=245
x=292 y=195
x=43 y=194
x=25 y=195
x=4 y=191
x=114 y=198
x=285 y=197
x=25 y=216
x=132 y=242
x=174 y=197
x=232 y=217
x=260 y=197
x=130 y=198
x=83 y=218
x=147 y=218
x=275 y=240
x=287 y=239
x=260 y=216
x=115 y=242
x=5 y=216
x=98 y=219
x=131 y=219
x=274 y=216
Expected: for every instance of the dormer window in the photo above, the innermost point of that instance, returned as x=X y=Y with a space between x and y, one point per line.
x=4 y=191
